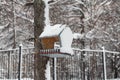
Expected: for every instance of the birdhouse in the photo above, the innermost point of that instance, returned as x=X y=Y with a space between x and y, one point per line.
x=56 y=41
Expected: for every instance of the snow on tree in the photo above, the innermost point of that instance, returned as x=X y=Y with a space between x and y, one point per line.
x=18 y=21
x=97 y=20
x=95 y=23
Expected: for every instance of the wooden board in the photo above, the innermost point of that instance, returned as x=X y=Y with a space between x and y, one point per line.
x=48 y=43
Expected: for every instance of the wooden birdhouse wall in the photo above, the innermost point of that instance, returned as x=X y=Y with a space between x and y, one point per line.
x=48 y=43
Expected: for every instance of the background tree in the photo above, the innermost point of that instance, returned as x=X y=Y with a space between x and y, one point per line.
x=39 y=20
x=96 y=21
x=16 y=24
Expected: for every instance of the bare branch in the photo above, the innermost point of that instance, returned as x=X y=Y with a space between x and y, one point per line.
x=29 y=4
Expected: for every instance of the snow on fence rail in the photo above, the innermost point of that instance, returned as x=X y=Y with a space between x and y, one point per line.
x=16 y=49
x=83 y=65
x=90 y=50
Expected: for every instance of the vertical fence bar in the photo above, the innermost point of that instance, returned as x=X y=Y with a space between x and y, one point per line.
x=54 y=69
x=20 y=62
x=9 y=64
x=104 y=65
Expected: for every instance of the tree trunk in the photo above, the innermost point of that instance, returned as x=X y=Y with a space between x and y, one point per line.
x=40 y=62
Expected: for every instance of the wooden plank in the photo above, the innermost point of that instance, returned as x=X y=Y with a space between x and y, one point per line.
x=48 y=43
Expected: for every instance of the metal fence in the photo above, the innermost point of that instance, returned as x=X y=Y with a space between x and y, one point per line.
x=83 y=65
x=86 y=65
x=9 y=64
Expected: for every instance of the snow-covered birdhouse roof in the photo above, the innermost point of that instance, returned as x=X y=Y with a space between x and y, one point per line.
x=57 y=33
x=51 y=31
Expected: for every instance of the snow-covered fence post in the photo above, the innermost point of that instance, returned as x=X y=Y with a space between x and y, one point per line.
x=104 y=65
x=20 y=63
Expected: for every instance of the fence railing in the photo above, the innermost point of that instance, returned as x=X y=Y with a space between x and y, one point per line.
x=9 y=64
x=83 y=65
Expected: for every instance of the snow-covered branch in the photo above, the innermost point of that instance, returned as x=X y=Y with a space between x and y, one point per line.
x=101 y=4
x=78 y=36
x=79 y=1
x=24 y=17
x=5 y=26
